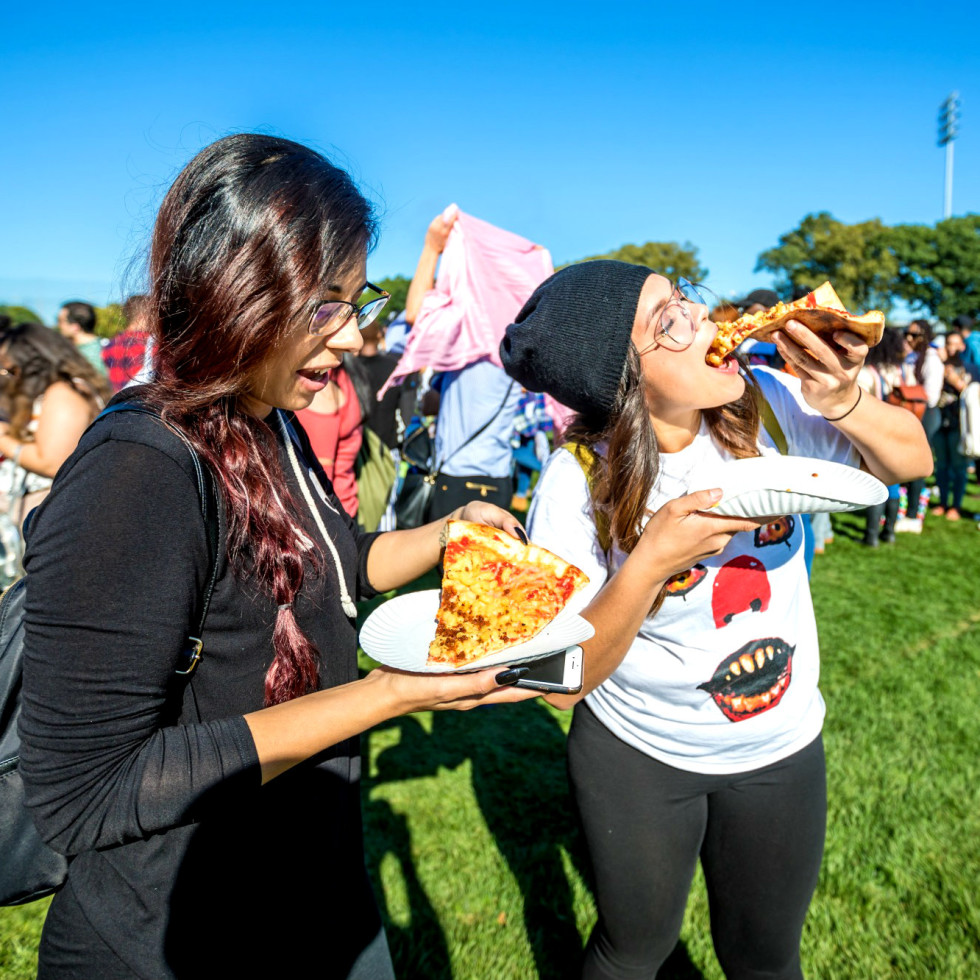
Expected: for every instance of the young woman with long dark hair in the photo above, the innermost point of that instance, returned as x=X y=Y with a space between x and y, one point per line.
x=697 y=731
x=923 y=366
x=49 y=393
x=951 y=464
x=213 y=827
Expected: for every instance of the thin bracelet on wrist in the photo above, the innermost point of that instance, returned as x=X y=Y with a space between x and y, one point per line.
x=851 y=409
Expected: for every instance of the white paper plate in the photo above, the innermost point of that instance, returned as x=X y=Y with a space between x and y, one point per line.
x=770 y=486
x=398 y=634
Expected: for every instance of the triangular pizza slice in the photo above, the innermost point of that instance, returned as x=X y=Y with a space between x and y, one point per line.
x=496 y=592
x=821 y=311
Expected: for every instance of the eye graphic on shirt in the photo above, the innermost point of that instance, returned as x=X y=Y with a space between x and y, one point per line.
x=683 y=582
x=778 y=532
x=753 y=679
x=741 y=585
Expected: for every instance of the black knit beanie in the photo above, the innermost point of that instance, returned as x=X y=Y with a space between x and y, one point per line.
x=572 y=336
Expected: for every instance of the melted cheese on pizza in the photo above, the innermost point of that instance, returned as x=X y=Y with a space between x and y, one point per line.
x=730 y=335
x=496 y=592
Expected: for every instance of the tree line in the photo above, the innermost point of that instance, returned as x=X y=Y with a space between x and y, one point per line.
x=934 y=269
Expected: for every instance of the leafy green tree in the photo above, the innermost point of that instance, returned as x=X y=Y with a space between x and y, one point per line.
x=855 y=258
x=939 y=266
x=668 y=258
x=398 y=287
x=20 y=314
x=109 y=320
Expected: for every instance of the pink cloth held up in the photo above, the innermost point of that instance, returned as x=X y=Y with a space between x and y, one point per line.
x=485 y=276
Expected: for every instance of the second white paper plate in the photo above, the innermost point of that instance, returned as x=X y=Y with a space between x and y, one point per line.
x=770 y=486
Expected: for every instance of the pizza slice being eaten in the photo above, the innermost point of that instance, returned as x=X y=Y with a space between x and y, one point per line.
x=496 y=592
x=821 y=311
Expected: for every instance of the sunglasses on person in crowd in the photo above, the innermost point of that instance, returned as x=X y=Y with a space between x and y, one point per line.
x=677 y=327
x=330 y=315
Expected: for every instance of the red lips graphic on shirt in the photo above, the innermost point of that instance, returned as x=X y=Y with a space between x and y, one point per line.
x=753 y=679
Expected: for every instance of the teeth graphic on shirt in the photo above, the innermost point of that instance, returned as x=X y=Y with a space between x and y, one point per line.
x=778 y=532
x=683 y=582
x=753 y=679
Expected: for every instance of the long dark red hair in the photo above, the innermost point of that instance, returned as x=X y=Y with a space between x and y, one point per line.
x=244 y=241
x=624 y=476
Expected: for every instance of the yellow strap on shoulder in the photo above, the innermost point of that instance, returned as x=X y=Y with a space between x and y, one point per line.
x=585 y=458
x=771 y=424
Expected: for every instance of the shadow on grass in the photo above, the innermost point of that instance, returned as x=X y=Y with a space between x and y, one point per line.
x=418 y=950
x=517 y=755
x=851 y=525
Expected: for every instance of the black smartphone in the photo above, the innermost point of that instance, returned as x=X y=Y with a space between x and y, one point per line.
x=561 y=673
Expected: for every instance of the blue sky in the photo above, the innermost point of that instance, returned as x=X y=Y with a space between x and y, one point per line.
x=581 y=126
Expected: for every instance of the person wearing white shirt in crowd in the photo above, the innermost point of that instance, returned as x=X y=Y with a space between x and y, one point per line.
x=923 y=366
x=697 y=731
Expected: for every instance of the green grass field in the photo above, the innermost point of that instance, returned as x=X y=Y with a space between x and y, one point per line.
x=479 y=867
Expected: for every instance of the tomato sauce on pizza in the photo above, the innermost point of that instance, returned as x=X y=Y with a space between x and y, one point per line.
x=822 y=311
x=496 y=593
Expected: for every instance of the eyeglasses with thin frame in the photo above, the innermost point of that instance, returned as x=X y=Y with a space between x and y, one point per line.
x=676 y=327
x=329 y=316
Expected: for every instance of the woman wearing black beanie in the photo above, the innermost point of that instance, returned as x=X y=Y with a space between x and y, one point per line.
x=697 y=731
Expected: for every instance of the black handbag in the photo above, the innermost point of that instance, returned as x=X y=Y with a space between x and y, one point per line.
x=30 y=869
x=412 y=502
x=415 y=497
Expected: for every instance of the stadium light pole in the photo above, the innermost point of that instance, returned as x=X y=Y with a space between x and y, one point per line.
x=949 y=119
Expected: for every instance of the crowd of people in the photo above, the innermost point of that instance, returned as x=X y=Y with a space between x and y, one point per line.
x=269 y=358
x=484 y=436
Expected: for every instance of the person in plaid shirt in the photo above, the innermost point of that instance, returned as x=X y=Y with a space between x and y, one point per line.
x=530 y=442
x=125 y=354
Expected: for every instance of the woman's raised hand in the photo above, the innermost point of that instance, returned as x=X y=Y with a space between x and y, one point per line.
x=683 y=531
x=828 y=372
x=437 y=234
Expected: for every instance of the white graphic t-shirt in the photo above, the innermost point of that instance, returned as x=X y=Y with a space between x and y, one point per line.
x=723 y=678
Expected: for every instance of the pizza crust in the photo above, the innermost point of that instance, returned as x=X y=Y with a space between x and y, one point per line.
x=821 y=311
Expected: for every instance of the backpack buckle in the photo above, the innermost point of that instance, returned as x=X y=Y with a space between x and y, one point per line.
x=191 y=657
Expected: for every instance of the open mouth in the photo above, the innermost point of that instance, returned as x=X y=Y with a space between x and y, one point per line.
x=316 y=375
x=753 y=679
x=728 y=365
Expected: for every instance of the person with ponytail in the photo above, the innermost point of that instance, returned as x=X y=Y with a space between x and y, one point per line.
x=212 y=824
x=697 y=730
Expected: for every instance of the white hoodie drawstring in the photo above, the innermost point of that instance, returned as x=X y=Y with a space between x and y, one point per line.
x=347 y=604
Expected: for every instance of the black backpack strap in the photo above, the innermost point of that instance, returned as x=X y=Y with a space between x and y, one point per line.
x=208 y=496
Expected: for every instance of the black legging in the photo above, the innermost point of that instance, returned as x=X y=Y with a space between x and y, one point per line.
x=759 y=836
x=930 y=422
